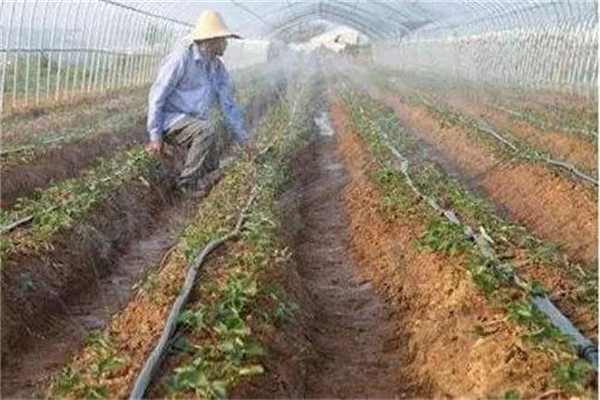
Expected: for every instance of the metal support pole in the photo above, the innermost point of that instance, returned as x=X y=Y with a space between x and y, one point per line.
x=117 y=55
x=110 y=45
x=52 y=41
x=5 y=60
x=17 y=56
x=84 y=67
x=106 y=50
x=28 y=55
x=73 y=64
x=62 y=47
x=98 y=25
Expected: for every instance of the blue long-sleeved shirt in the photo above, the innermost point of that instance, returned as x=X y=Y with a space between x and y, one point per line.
x=189 y=84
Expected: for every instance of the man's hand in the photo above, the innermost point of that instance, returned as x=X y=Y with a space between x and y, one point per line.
x=155 y=147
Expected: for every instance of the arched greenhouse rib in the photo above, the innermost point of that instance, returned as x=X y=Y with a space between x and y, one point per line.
x=299 y=199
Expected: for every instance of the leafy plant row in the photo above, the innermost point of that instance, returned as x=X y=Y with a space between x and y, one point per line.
x=221 y=347
x=101 y=120
x=576 y=117
x=431 y=180
x=64 y=203
x=26 y=139
x=373 y=122
x=216 y=346
x=503 y=143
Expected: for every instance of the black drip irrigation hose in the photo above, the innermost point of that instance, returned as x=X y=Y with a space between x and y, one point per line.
x=572 y=169
x=523 y=116
x=29 y=218
x=5 y=153
x=13 y=225
x=569 y=167
x=585 y=347
x=22 y=221
x=488 y=130
x=153 y=361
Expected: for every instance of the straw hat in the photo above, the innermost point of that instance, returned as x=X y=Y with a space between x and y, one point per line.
x=210 y=25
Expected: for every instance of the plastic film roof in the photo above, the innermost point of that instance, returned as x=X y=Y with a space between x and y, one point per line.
x=376 y=19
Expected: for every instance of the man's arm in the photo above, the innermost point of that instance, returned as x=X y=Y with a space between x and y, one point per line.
x=169 y=74
x=229 y=107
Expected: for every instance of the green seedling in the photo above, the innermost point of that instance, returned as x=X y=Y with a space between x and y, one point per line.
x=194 y=377
x=63 y=204
x=105 y=365
x=65 y=382
x=225 y=350
x=573 y=377
x=512 y=394
x=448 y=239
x=444 y=237
x=193 y=319
x=537 y=326
x=99 y=340
x=284 y=309
x=183 y=345
x=94 y=392
x=150 y=284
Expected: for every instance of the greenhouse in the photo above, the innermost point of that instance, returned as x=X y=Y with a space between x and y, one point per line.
x=299 y=199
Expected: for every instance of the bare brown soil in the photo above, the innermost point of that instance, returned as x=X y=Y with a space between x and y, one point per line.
x=439 y=304
x=546 y=100
x=345 y=341
x=63 y=162
x=136 y=328
x=87 y=272
x=25 y=372
x=19 y=127
x=36 y=285
x=552 y=206
x=289 y=347
x=564 y=146
x=357 y=352
x=565 y=289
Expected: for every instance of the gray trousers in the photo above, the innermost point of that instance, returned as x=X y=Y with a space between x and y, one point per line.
x=199 y=138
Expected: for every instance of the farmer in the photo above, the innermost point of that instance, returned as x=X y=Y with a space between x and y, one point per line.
x=191 y=80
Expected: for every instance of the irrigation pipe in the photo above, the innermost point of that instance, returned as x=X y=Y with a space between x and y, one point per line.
x=490 y=131
x=585 y=347
x=25 y=220
x=573 y=170
x=30 y=147
x=569 y=167
x=566 y=166
x=16 y=224
x=153 y=361
x=523 y=116
x=29 y=218
x=511 y=112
